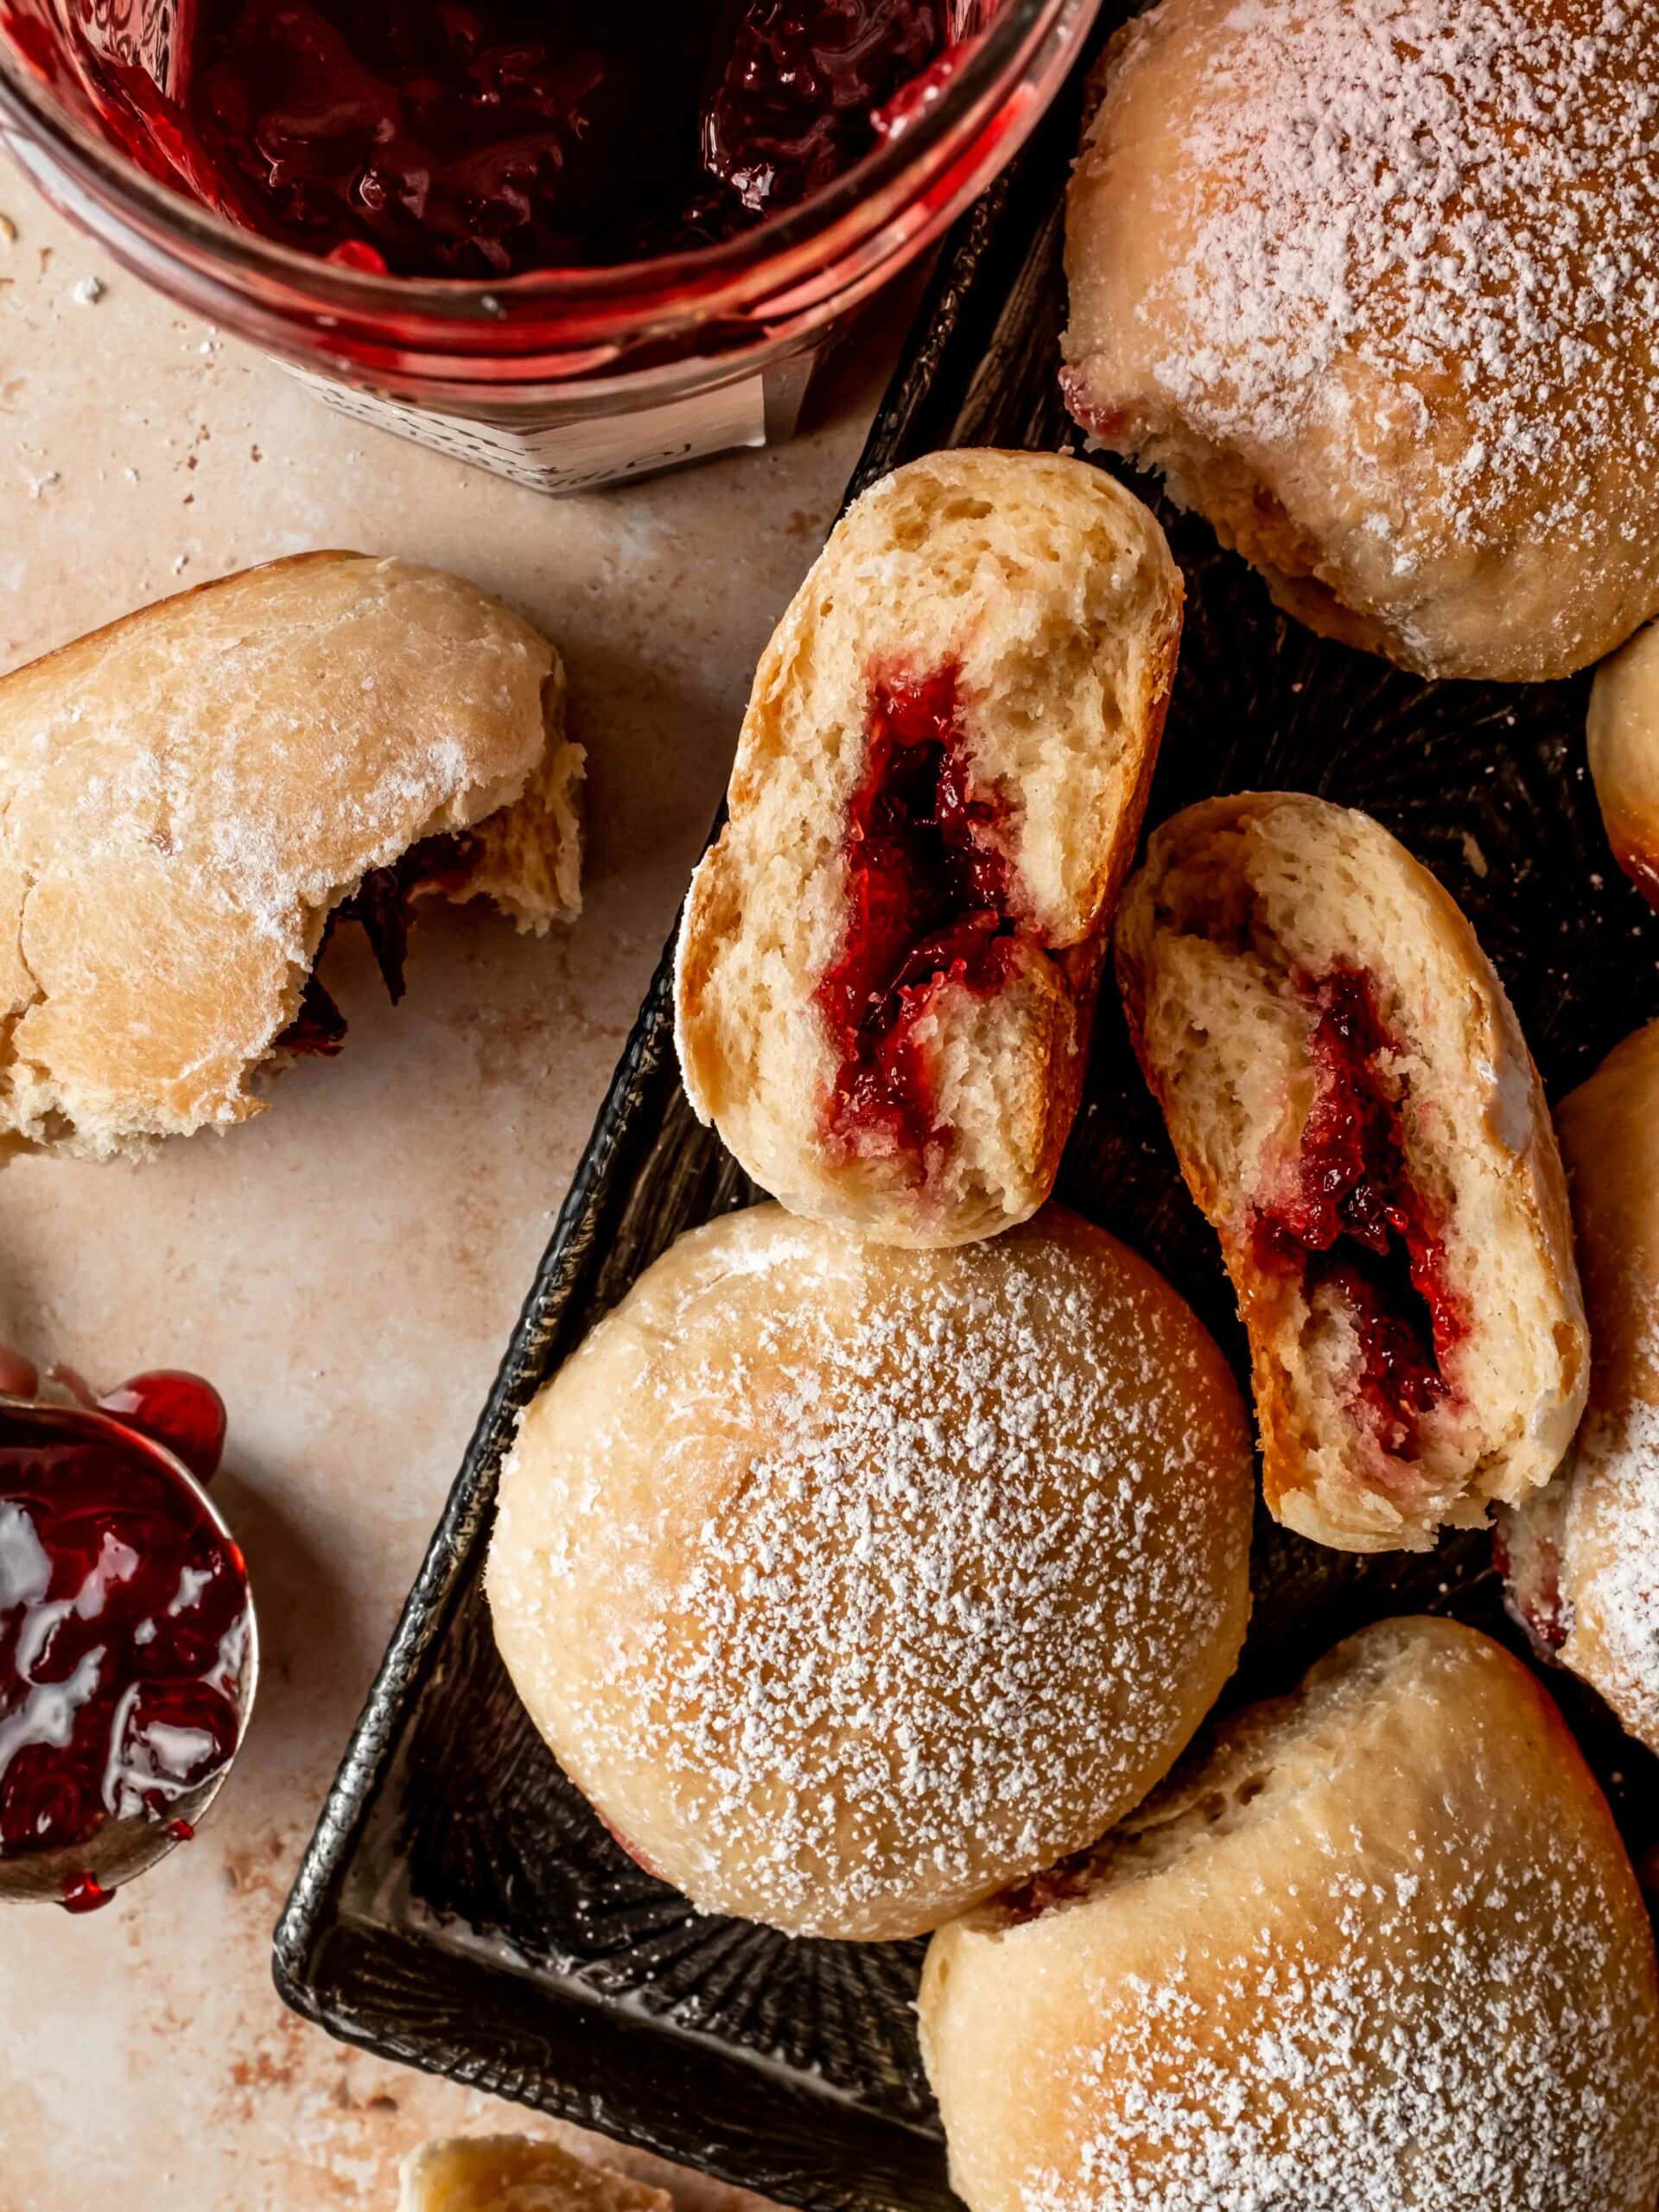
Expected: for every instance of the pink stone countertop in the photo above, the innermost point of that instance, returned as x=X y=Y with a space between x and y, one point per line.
x=348 y=1266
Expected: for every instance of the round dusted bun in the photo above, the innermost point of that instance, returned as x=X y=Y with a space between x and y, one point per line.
x=189 y=794
x=1380 y=1950
x=888 y=962
x=1584 y=1554
x=1354 y=1107
x=1375 y=284
x=1623 y=734
x=851 y=1582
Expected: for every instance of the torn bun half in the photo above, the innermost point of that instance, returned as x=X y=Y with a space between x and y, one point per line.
x=194 y=792
x=1354 y=1107
x=888 y=964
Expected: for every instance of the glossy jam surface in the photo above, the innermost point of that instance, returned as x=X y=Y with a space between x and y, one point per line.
x=927 y=912
x=124 y=1626
x=436 y=139
x=1354 y=1224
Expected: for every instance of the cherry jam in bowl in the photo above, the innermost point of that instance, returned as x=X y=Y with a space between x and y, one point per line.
x=128 y=1649
x=543 y=218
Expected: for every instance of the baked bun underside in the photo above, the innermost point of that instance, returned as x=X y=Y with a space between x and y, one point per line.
x=1375 y=1948
x=1583 y=1554
x=1622 y=736
x=194 y=792
x=1355 y=1110
x=849 y=1582
x=888 y=962
x=1394 y=338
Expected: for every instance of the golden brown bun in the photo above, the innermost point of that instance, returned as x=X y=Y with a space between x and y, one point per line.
x=1052 y=595
x=1376 y=287
x=849 y=1582
x=510 y=2173
x=1584 y=1554
x=1380 y=1951
x=189 y=792
x=1623 y=734
x=1238 y=942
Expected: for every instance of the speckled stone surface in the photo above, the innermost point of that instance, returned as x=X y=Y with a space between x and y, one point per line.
x=348 y=1266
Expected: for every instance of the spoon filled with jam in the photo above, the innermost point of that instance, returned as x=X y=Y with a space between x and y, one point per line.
x=128 y=1652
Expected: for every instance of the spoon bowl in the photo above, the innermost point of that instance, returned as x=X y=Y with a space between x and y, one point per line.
x=121 y=1847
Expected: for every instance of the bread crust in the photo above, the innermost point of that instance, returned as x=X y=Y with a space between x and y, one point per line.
x=189 y=792
x=515 y=2173
x=1583 y=1554
x=850 y=1581
x=1052 y=595
x=1244 y=904
x=1622 y=739
x=1329 y=276
x=1379 y=1946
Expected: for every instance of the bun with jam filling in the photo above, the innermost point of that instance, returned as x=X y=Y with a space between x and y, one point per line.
x=1356 y=1111
x=192 y=795
x=1583 y=1554
x=888 y=962
x=1379 y=1948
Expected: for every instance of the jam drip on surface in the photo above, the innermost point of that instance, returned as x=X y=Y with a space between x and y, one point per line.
x=436 y=139
x=123 y=1627
x=927 y=896
x=1356 y=1228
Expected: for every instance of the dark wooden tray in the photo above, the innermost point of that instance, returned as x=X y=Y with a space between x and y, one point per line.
x=459 y=1906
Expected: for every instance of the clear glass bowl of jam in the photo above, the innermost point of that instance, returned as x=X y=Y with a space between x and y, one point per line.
x=575 y=240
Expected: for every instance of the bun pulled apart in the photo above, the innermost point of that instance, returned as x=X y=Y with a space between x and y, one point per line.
x=1583 y=1554
x=1354 y=1108
x=888 y=962
x=1379 y=1949
x=1375 y=284
x=849 y=1583
x=191 y=793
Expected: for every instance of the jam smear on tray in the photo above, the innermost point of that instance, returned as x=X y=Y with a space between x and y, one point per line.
x=432 y=138
x=124 y=1623
x=1355 y=1225
x=928 y=911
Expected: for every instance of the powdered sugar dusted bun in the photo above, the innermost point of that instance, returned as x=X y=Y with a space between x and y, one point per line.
x=189 y=794
x=1584 y=1555
x=888 y=962
x=1356 y=1111
x=1623 y=734
x=1380 y=1950
x=1375 y=284
x=850 y=1582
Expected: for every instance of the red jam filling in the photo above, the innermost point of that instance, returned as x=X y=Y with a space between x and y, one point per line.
x=124 y=1623
x=1355 y=1226
x=927 y=912
x=438 y=139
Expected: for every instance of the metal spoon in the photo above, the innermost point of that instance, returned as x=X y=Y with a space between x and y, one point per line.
x=120 y=1850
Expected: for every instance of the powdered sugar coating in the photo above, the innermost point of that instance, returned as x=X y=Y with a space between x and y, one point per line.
x=1382 y=1953
x=1619 y=1453
x=1404 y=270
x=850 y=1582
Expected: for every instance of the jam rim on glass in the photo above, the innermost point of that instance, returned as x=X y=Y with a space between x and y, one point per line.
x=600 y=340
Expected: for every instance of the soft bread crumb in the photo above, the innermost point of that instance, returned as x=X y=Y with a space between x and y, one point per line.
x=190 y=792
